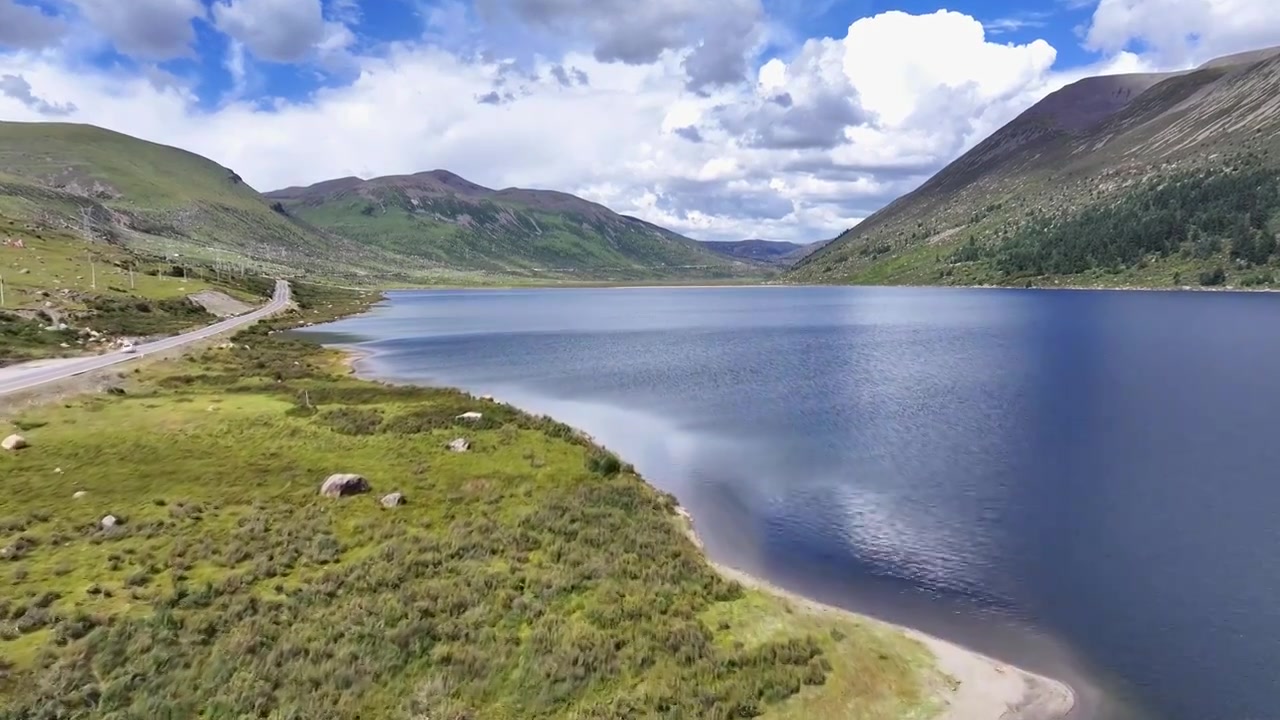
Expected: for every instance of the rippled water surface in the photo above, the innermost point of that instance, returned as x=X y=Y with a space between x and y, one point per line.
x=1086 y=483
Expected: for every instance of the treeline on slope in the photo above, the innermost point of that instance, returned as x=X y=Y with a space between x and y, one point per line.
x=1200 y=213
x=556 y=587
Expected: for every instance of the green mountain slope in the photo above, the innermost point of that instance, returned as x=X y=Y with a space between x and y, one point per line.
x=1130 y=180
x=441 y=220
x=156 y=199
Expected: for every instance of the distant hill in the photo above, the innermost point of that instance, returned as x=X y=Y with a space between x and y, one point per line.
x=804 y=251
x=768 y=252
x=69 y=180
x=1151 y=180
x=156 y=199
x=440 y=219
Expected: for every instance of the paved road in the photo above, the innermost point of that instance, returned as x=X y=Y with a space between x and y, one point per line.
x=29 y=375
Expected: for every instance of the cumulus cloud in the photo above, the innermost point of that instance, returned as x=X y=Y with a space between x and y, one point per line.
x=150 y=29
x=1180 y=33
x=25 y=27
x=17 y=88
x=807 y=103
x=718 y=34
x=283 y=30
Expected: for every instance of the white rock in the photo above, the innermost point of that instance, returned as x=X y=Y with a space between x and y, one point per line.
x=57 y=471
x=395 y=499
x=340 y=484
x=460 y=445
x=13 y=442
x=109 y=522
x=78 y=494
x=473 y=415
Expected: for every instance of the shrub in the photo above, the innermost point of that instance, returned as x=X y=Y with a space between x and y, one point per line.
x=604 y=463
x=1216 y=276
x=351 y=420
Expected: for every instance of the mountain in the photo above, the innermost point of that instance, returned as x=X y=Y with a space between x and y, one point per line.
x=804 y=251
x=762 y=251
x=1150 y=179
x=159 y=202
x=155 y=199
x=441 y=220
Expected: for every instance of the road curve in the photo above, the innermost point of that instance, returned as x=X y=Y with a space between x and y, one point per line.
x=26 y=376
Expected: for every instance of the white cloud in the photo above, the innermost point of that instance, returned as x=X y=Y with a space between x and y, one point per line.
x=150 y=29
x=1181 y=33
x=283 y=30
x=715 y=37
x=900 y=62
x=23 y=26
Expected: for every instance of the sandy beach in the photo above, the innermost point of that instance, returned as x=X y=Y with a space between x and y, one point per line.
x=984 y=688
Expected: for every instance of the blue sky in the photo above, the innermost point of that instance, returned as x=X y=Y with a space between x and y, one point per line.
x=722 y=119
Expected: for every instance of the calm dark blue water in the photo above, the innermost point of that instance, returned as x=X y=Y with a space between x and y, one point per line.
x=1086 y=483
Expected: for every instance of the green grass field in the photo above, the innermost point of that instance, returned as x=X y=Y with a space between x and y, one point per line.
x=532 y=577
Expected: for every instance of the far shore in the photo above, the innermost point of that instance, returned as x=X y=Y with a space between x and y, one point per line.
x=984 y=689
x=772 y=283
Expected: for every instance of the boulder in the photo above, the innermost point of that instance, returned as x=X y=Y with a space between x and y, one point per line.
x=460 y=445
x=109 y=522
x=343 y=484
x=13 y=442
x=473 y=415
x=395 y=499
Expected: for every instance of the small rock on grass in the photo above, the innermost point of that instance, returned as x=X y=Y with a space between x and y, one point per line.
x=13 y=442
x=78 y=494
x=109 y=522
x=473 y=415
x=395 y=499
x=460 y=445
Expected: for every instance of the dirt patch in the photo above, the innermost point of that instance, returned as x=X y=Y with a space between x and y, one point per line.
x=220 y=304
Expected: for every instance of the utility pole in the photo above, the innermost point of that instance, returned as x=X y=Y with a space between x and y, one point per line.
x=86 y=226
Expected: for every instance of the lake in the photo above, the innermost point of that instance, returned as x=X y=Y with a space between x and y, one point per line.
x=1083 y=483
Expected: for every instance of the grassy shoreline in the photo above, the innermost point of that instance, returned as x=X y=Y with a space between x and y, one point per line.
x=533 y=576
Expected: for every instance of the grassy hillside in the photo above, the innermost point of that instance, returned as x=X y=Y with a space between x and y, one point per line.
x=534 y=576
x=1131 y=180
x=99 y=291
x=441 y=220
x=155 y=199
